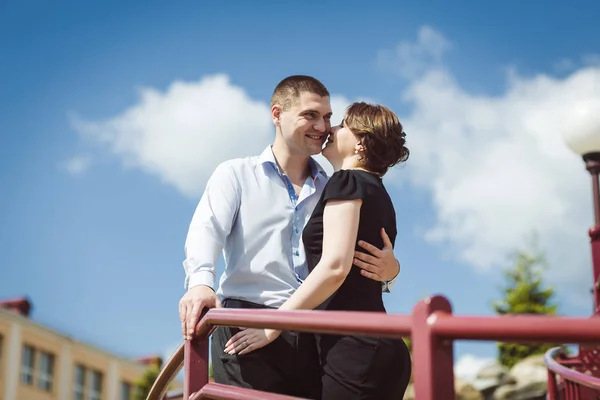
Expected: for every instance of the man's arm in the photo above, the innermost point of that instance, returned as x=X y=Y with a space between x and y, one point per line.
x=381 y=264
x=210 y=225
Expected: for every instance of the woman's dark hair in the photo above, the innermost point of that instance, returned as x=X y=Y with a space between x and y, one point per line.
x=381 y=134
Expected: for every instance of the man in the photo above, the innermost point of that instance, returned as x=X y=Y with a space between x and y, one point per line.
x=255 y=210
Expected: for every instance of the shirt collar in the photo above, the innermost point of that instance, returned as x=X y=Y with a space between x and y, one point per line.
x=316 y=171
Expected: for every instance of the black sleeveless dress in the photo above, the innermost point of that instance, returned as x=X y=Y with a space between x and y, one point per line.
x=358 y=367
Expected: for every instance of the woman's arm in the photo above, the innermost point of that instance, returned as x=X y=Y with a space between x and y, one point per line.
x=340 y=230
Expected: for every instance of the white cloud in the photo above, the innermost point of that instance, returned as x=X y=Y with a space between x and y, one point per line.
x=76 y=165
x=568 y=65
x=410 y=60
x=182 y=134
x=468 y=366
x=565 y=65
x=591 y=59
x=497 y=169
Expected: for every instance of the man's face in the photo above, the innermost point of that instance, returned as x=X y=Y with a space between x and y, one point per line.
x=305 y=126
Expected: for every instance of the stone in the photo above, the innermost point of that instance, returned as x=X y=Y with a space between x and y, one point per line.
x=528 y=391
x=530 y=369
x=530 y=381
x=490 y=378
x=466 y=391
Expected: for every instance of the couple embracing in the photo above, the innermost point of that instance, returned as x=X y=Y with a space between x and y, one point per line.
x=295 y=239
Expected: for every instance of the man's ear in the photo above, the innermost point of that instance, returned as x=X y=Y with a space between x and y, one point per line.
x=275 y=114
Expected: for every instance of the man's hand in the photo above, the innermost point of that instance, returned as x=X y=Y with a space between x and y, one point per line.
x=381 y=265
x=191 y=305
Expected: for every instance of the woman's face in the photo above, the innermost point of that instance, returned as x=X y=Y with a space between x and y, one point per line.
x=341 y=144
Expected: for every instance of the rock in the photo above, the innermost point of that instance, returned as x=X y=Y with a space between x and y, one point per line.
x=530 y=381
x=528 y=391
x=530 y=369
x=527 y=380
x=490 y=378
x=493 y=371
x=466 y=391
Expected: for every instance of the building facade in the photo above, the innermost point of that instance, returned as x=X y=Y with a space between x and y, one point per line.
x=37 y=363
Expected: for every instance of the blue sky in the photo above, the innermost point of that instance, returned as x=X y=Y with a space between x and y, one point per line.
x=103 y=157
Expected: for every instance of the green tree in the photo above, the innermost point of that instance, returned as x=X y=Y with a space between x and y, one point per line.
x=525 y=293
x=144 y=384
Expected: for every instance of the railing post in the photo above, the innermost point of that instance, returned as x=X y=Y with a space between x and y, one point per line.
x=195 y=365
x=433 y=359
x=552 y=386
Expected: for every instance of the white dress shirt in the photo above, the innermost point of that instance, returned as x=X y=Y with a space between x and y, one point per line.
x=250 y=211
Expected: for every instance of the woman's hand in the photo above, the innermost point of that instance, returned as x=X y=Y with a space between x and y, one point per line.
x=249 y=339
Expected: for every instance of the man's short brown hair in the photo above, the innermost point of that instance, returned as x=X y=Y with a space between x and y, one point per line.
x=381 y=134
x=288 y=91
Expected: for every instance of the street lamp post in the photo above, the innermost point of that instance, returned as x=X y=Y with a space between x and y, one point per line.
x=585 y=141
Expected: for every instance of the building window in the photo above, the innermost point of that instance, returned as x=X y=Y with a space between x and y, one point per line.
x=79 y=387
x=46 y=371
x=88 y=384
x=95 y=389
x=125 y=391
x=27 y=365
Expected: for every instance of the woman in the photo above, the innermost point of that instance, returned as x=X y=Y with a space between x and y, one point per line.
x=354 y=205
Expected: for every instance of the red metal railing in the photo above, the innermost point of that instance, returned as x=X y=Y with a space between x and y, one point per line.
x=566 y=383
x=431 y=326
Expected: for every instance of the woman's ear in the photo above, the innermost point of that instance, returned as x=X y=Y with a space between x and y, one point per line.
x=359 y=147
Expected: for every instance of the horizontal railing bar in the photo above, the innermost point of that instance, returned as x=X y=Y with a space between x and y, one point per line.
x=328 y=322
x=217 y=391
x=567 y=373
x=532 y=328
x=519 y=328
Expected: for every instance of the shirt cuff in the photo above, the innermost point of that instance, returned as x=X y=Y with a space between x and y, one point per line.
x=386 y=286
x=206 y=278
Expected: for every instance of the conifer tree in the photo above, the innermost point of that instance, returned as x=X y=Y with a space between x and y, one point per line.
x=525 y=293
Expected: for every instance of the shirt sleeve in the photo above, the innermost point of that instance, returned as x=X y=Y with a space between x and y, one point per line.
x=386 y=286
x=211 y=224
